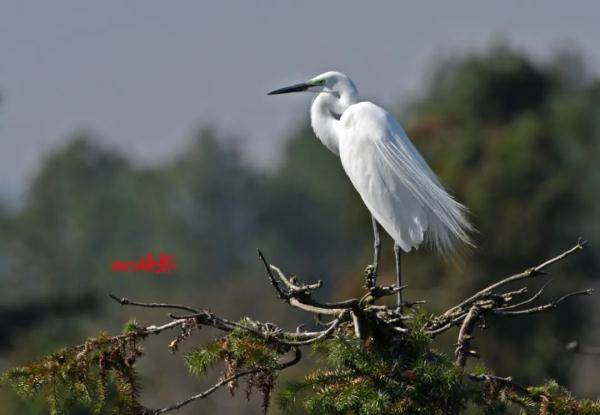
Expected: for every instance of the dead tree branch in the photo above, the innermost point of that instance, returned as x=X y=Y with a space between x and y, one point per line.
x=502 y=303
x=489 y=301
x=127 y=301
x=463 y=349
x=528 y=273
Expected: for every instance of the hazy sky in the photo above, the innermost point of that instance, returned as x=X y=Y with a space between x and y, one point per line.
x=144 y=75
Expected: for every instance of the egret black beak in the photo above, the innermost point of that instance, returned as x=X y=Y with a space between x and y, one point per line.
x=292 y=88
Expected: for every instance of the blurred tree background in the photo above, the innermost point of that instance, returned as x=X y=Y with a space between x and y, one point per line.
x=516 y=140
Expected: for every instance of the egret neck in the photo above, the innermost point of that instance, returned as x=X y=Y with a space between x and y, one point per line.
x=326 y=111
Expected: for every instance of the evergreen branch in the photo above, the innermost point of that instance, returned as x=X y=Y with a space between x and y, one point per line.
x=226 y=381
x=505 y=382
x=207 y=318
x=205 y=393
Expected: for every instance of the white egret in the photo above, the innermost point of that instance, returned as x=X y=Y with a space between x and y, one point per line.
x=400 y=190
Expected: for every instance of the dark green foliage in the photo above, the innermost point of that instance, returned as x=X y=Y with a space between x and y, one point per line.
x=491 y=89
x=400 y=377
x=98 y=375
x=201 y=359
x=556 y=400
x=130 y=327
x=241 y=350
x=408 y=377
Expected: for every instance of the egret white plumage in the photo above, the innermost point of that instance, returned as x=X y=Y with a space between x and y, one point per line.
x=400 y=190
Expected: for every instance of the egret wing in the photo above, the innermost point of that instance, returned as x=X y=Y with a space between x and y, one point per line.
x=395 y=182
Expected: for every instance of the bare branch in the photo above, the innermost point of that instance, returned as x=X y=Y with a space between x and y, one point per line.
x=272 y=279
x=529 y=273
x=543 y=307
x=299 y=295
x=314 y=338
x=126 y=301
x=454 y=322
x=463 y=349
x=303 y=291
x=292 y=283
x=529 y=300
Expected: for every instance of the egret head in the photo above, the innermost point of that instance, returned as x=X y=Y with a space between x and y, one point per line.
x=332 y=82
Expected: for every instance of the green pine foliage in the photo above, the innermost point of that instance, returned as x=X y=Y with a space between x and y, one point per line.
x=242 y=350
x=99 y=375
x=409 y=377
x=398 y=375
x=405 y=376
x=556 y=400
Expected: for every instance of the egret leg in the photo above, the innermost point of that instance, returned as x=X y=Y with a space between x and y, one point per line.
x=376 y=250
x=397 y=253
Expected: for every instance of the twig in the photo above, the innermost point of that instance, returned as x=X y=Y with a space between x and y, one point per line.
x=506 y=382
x=225 y=381
x=272 y=279
x=319 y=336
x=126 y=301
x=531 y=272
x=529 y=300
x=299 y=296
x=205 y=393
x=303 y=291
x=140 y=332
x=209 y=319
x=543 y=307
x=454 y=322
x=292 y=285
